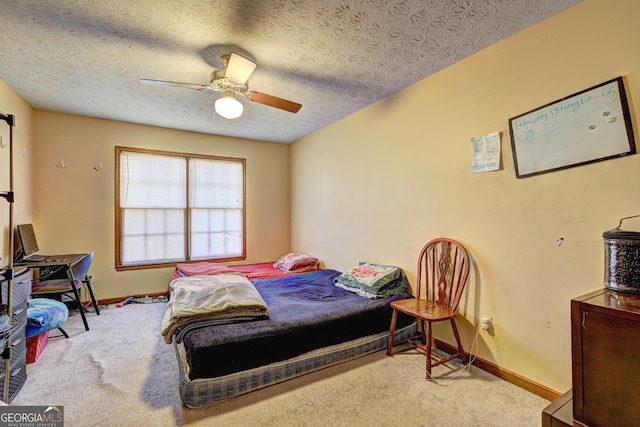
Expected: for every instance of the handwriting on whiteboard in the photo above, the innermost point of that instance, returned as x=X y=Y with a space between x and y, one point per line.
x=563 y=113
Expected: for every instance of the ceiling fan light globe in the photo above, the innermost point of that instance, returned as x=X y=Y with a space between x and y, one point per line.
x=229 y=107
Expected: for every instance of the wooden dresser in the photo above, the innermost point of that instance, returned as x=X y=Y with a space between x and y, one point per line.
x=559 y=413
x=605 y=346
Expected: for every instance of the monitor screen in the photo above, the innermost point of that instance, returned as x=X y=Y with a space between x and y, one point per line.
x=27 y=239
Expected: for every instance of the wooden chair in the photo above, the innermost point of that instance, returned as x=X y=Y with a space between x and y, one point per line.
x=443 y=270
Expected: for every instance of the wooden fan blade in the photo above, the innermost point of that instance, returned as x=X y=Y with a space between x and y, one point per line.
x=273 y=101
x=239 y=69
x=173 y=84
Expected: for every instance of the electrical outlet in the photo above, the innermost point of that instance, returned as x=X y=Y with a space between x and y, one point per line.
x=485 y=322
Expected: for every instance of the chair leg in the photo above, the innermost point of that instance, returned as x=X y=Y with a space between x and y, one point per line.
x=80 y=306
x=392 y=330
x=93 y=297
x=456 y=334
x=64 y=332
x=428 y=348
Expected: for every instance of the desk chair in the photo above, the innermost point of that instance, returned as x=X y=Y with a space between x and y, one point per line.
x=68 y=284
x=443 y=269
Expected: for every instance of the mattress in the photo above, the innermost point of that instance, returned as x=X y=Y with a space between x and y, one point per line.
x=307 y=313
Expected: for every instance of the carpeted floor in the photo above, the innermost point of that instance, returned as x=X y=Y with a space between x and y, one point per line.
x=121 y=373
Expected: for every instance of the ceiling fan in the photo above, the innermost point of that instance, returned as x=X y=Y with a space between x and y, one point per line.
x=232 y=81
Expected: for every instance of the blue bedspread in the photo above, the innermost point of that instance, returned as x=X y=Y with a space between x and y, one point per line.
x=306 y=312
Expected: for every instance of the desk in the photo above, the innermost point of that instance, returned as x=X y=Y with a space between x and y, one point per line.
x=66 y=264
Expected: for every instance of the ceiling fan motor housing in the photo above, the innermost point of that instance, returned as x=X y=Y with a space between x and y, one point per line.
x=220 y=82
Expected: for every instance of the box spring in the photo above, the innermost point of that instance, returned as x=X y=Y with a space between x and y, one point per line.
x=201 y=392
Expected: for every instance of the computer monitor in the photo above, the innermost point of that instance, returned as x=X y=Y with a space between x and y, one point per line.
x=27 y=239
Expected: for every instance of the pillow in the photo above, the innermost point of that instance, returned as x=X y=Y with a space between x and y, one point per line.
x=44 y=314
x=296 y=262
x=373 y=280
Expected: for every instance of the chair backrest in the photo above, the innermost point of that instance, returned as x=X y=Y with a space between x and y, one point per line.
x=81 y=269
x=443 y=270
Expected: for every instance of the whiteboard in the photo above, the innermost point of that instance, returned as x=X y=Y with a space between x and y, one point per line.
x=585 y=127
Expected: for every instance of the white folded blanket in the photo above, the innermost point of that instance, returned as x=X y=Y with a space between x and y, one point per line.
x=220 y=296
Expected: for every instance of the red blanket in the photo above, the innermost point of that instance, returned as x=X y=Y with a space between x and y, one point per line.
x=264 y=270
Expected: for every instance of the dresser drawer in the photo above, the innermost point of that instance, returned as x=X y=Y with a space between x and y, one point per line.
x=19 y=313
x=21 y=288
x=18 y=346
x=17 y=376
x=18 y=343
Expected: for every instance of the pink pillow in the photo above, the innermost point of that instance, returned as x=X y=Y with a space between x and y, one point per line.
x=296 y=262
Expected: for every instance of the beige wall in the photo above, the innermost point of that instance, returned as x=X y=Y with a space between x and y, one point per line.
x=74 y=206
x=11 y=103
x=379 y=184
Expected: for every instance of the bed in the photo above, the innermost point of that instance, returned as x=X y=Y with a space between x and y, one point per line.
x=311 y=324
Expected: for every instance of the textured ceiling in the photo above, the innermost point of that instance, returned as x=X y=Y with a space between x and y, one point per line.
x=86 y=57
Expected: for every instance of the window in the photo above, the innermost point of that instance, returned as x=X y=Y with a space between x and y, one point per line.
x=173 y=207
